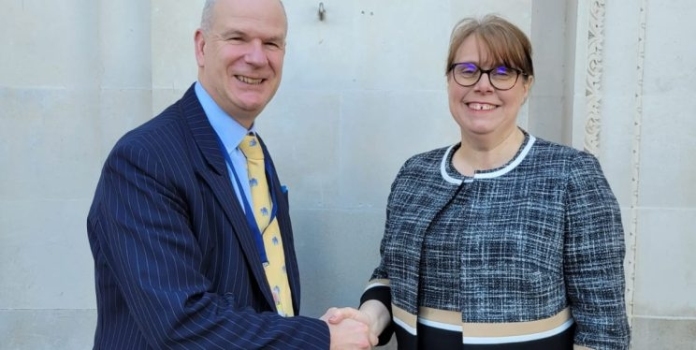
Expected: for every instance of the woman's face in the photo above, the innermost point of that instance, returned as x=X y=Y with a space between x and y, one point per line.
x=481 y=109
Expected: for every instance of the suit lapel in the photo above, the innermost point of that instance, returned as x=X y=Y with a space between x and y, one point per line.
x=213 y=170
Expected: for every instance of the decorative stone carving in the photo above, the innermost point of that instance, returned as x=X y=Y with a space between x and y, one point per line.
x=593 y=89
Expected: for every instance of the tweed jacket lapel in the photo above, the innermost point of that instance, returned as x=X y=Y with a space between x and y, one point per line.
x=419 y=194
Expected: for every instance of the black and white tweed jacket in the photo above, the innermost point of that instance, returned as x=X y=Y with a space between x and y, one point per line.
x=541 y=234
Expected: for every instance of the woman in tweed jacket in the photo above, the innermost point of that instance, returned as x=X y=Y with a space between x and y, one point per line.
x=502 y=241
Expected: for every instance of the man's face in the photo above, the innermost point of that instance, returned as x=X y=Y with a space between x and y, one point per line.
x=240 y=58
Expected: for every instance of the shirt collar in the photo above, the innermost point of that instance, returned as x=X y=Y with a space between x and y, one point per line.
x=230 y=132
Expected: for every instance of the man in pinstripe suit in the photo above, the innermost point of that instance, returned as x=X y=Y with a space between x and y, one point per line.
x=177 y=263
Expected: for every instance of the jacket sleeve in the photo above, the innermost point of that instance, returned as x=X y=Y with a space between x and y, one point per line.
x=593 y=258
x=142 y=234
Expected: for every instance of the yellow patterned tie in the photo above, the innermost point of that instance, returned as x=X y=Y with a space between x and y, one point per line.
x=272 y=240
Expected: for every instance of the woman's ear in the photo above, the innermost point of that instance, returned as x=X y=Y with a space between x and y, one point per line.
x=527 y=87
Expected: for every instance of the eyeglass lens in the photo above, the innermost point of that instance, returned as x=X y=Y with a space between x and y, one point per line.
x=501 y=77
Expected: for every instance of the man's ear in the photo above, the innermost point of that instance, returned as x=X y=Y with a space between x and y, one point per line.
x=199 y=42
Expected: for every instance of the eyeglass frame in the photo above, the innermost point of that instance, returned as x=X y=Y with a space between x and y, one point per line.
x=487 y=72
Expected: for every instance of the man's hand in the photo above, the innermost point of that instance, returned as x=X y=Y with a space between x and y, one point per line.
x=350 y=329
x=336 y=315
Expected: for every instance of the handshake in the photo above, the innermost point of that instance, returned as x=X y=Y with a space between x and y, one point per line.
x=356 y=329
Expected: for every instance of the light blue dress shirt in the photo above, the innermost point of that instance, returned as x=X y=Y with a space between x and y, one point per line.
x=231 y=133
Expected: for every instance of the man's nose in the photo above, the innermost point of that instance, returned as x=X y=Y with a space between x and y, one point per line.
x=255 y=54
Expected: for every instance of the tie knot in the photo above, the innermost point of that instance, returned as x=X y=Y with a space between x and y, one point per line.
x=251 y=148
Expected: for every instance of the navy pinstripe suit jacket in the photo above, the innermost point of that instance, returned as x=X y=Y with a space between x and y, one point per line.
x=176 y=266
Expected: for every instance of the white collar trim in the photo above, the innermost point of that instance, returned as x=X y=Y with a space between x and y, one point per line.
x=500 y=172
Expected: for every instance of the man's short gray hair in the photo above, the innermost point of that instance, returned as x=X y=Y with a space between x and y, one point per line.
x=207 y=15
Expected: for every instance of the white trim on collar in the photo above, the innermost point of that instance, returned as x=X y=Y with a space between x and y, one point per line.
x=502 y=171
